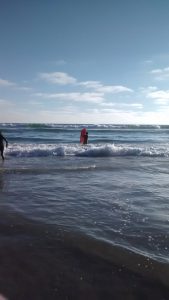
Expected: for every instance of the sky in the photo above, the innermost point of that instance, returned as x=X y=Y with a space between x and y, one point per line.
x=92 y=61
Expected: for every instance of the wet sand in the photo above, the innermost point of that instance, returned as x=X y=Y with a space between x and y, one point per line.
x=37 y=264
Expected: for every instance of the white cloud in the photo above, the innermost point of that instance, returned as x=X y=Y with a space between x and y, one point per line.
x=90 y=84
x=5 y=104
x=148 y=61
x=91 y=116
x=122 y=105
x=23 y=88
x=148 y=89
x=71 y=114
x=113 y=89
x=58 y=78
x=107 y=104
x=64 y=79
x=6 y=83
x=132 y=105
x=160 y=97
x=60 y=62
x=2 y=101
x=78 y=97
x=161 y=74
x=137 y=105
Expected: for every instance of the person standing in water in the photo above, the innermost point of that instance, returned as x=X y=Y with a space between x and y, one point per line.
x=85 y=138
x=2 y=139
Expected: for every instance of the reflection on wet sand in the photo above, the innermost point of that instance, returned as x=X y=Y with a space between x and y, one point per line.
x=39 y=263
x=1 y=177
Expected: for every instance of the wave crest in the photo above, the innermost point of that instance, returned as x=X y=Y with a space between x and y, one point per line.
x=106 y=150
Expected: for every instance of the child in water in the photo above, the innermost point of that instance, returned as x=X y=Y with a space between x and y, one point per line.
x=2 y=139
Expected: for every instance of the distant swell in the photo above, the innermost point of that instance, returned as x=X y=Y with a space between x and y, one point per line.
x=79 y=126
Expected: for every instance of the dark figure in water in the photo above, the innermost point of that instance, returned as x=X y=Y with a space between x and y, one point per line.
x=2 y=139
x=85 y=138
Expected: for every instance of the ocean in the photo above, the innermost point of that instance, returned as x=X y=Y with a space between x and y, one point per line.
x=84 y=221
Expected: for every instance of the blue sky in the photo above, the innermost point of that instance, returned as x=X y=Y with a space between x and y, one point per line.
x=92 y=61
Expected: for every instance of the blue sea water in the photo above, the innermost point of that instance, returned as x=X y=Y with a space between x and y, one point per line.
x=108 y=198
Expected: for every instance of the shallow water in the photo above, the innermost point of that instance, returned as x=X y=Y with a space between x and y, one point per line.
x=109 y=201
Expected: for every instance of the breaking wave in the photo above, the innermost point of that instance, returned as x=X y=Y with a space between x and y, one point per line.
x=97 y=150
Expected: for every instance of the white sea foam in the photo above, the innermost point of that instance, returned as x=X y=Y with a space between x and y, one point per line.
x=97 y=150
